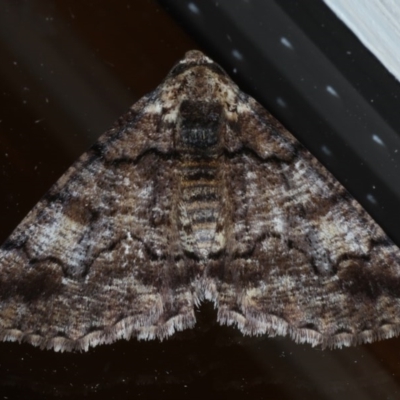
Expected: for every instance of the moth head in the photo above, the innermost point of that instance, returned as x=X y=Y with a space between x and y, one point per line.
x=197 y=76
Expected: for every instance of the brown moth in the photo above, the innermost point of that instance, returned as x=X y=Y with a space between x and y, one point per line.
x=197 y=193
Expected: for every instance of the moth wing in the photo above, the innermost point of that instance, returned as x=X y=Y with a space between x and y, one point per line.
x=88 y=264
x=302 y=257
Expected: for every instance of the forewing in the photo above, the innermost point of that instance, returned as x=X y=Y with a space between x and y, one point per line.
x=90 y=263
x=302 y=256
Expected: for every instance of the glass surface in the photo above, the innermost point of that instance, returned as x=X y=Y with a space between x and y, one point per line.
x=68 y=69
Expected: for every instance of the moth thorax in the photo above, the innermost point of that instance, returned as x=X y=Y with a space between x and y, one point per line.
x=199 y=125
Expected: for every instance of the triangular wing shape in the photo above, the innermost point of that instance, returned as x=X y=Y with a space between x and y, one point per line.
x=197 y=193
x=305 y=258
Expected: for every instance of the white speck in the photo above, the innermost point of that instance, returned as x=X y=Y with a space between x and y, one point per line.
x=234 y=70
x=229 y=38
x=332 y=91
x=154 y=108
x=237 y=54
x=286 y=43
x=193 y=8
x=378 y=140
x=349 y=237
x=281 y=102
x=65 y=281
x=127 y=249
x=39 y=120
x=325 y=149
x=371 y=198
x=279 y=224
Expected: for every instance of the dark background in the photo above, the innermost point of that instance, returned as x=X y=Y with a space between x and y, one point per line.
x=69 y=68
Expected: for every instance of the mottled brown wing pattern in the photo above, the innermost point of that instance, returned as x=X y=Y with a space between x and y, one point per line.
x=315 y=265
x=197 y=193
x=88 y=265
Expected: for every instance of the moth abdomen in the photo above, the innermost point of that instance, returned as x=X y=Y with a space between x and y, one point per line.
x=200 y=196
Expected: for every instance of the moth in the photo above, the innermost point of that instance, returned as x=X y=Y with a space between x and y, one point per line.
x=197 y=193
